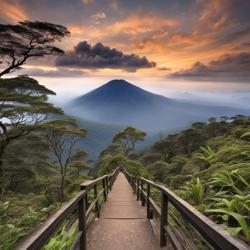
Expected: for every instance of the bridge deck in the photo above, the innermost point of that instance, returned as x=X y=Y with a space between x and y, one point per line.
x=123 y=224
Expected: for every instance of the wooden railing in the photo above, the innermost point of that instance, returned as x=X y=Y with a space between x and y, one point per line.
x=83 y=207
x=210 y=231
x=80 y=205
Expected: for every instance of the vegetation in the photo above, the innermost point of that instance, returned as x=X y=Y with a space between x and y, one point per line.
x=23 y=106
x=208 y=165
x=40 y=164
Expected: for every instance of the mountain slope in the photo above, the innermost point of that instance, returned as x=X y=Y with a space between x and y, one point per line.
x=122 y=103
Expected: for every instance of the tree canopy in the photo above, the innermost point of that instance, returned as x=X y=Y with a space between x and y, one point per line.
x=23 y=106
x=28 y=39
x=127 y=138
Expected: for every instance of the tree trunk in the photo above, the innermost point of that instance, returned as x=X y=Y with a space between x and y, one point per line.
x=2 y=149
x=1 y=161
x=2 y=188
x=6 y=71
x=62 y=195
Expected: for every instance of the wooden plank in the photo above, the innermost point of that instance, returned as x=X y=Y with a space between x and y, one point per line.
x=89 y=184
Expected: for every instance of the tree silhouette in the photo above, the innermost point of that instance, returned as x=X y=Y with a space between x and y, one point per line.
x=28 y=39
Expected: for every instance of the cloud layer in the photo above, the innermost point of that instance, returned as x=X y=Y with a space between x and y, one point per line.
x=99 y=57
x=228 y=67
x=175 y=34
x=35 y=72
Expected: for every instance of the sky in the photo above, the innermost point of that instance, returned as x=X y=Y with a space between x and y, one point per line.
x=166 y=46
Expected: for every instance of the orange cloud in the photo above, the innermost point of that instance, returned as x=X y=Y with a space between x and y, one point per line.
x=141 y=24
x=13 y=10
x=217 y=15
x=75 y=29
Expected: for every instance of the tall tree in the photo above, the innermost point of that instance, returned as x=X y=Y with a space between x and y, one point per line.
x=166 y=147
x=23 y=106
x=26 y=40
x=128 y=138
x=62 y=136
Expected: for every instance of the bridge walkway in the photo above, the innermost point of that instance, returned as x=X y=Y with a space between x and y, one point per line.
x=123 y=223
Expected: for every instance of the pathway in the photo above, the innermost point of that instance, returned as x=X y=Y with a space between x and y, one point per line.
x=123 y=224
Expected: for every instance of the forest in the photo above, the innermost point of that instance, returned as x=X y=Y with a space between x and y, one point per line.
x=207 y=164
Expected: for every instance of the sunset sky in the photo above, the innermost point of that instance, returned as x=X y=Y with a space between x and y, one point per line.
x=161 y=44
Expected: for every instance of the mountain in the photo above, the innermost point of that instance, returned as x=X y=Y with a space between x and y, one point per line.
x=121 y=103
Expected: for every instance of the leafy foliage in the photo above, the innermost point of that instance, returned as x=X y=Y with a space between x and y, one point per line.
x=61 y=241
x=127 y=138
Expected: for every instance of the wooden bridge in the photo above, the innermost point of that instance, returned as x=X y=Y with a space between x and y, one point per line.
x=129 y=219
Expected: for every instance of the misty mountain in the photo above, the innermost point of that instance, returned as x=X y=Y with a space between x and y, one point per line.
x=121 y=103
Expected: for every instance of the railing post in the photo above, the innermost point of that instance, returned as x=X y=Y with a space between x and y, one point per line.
x=142 y=197
x=86 y=195
x=148 y=202
x=134 y=186
x=97 y=211
x=164 y=219
x=82 y=222
x=107 y=184
x=104 y=190
x=138 y=190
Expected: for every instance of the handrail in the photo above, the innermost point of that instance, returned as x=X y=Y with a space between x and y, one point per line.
x=40 y=236
x=212 y=232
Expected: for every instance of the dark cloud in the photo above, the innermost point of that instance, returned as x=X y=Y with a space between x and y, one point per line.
x=52 y=73
x=229 y=67
x=99 y=56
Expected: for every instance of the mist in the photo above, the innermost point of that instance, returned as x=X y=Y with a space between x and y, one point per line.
x=212 y=94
